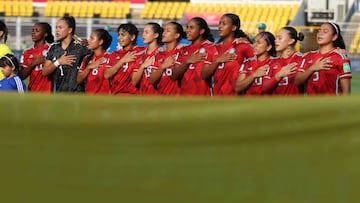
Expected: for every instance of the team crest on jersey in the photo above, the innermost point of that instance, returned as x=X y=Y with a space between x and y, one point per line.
x=44 y=53
x=161 y=60
x=31 y=56
x=186 y=53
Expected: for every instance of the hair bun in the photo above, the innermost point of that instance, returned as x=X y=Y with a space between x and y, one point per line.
x=300 y=36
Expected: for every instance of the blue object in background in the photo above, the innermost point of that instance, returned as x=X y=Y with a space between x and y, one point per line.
x=114 y=42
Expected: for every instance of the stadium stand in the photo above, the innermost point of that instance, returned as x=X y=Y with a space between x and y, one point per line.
x=16 y=8
x=354 y=46
x=277 y=15
x=88 y=9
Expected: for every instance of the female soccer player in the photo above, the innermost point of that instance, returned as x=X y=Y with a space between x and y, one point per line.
x=230 y=55
x=257 y=69
x=282 y=79
x=4 y=49
x=32 y=59
x=93 y=66
x=123 y=61
x=10 y=69
x=165 y=59
x=152 y=36
x=326 y=70
x=64 y=57
x=194 y=57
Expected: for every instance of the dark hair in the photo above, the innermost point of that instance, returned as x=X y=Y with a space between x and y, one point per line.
x=270 y=40
x=70 y=21
x=242 y=34
x=104 y=35
x=339 y=41
x=294 y=34
x=179 y=29
x=11 y=61
x=203 y=25
x=130 y=28
x=235 y=20
x=157 y=29
x=5 y=31
x=46 y=26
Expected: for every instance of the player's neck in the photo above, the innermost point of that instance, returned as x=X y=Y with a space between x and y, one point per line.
x=171 y=45
x=98 y=51
x=198 y=40
x=66 y=42
x=129 y=47
x=326 y=48
x=152 y=46
x=39 y=43
x=228 y=39
x=287 y=52
x=262 y=57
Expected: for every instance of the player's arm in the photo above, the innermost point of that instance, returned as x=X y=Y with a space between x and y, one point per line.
x=26 y=69
x=110 y=72
x=208 y=70
x=50 y=66
x=156 y=74
x=244 y=82
x=136 y=77
x=275 y=79
x=179 y=70
x=320 y=64
x=345 y=86
x=84 y=72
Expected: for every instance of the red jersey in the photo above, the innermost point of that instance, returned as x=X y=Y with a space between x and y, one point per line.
x=226 y=74
x=286 y=85
x=95 y=81
x=250 y=66
x=37 y=82
x=166 y=85
x=145 y=86
x=192 y=82
x=326 y=81
x=121 y=81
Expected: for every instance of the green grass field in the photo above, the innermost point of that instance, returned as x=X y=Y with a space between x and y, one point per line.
x=355 y=83
x=75 y=148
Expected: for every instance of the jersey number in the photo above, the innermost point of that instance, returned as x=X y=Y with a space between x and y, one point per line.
x=39 y=67
x=147 y=71
x=94 y=71
x=284 y=82
x=125 y=67
x=168 y=72
x=258 y=81
x=316 y=76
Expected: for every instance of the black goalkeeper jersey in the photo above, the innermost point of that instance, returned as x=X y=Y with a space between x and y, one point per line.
x=65 y=75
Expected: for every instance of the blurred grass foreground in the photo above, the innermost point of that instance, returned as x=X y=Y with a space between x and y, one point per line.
x=76 y=148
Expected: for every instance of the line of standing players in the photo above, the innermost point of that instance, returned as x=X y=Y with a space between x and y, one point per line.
x=231 y=66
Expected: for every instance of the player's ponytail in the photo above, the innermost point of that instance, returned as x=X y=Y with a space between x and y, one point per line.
x=49 y=37
x=179 y=29
x=339 y=41
x=203 y=25
x=159 y=30
x=293 y=34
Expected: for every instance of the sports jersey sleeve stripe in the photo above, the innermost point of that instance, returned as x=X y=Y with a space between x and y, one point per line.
x=348 y=75
x=19 y=85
